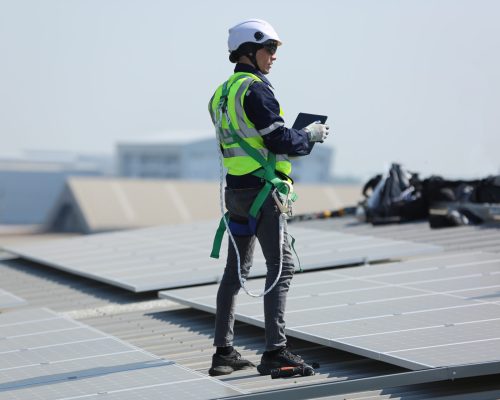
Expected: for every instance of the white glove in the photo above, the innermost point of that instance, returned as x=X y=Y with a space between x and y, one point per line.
x=317 y=132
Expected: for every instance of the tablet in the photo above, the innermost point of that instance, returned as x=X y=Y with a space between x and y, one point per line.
x=304 y=119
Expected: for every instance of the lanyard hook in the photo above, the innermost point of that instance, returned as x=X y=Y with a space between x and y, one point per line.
x=285 y=205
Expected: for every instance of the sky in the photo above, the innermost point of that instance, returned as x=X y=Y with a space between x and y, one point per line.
x=409 y=81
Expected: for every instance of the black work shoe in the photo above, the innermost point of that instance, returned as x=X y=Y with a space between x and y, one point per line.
x=224 y=365
x=278 y=359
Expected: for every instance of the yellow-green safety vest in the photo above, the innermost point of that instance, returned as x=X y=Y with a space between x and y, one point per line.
x=236 y=160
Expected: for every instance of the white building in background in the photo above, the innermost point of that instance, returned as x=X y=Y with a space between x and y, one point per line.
x=168 y=156
x=171 y=156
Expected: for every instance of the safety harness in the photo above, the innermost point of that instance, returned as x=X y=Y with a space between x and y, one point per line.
x=273 y=183
x=267 y=172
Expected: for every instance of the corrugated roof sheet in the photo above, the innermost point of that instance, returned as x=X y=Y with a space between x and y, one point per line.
x=166 y=328
x=185 y=335
x=103 y=204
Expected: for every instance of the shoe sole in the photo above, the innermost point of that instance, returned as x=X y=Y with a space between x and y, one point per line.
x=226 y=370
x=221 y=370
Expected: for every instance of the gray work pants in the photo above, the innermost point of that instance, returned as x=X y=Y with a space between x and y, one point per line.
x=238 y=202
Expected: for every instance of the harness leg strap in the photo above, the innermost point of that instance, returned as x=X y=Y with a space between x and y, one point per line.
x=219 y=234
x=237 y=229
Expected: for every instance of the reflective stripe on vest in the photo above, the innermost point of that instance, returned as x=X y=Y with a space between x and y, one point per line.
x=236 y=160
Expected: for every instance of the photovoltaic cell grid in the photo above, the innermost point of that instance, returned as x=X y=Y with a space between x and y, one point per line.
x=429 y=312
x=175 y=256
x=8 y=300
x=47 y=356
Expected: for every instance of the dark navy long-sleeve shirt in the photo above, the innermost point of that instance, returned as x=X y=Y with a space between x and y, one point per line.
x=263 y=110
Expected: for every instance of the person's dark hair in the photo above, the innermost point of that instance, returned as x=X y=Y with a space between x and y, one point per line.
x=248 y=49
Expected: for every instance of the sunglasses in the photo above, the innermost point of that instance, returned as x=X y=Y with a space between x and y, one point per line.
x=271 y=46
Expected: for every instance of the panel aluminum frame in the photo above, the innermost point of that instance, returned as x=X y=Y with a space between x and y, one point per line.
x=9 y=300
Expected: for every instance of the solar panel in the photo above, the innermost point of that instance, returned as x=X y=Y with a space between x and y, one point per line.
x=65 y=359
x=175 y=256
x=428 y=312
x=147 y=383
x=8 y=300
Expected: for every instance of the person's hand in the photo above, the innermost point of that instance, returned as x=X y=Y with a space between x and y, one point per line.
x=317 y=132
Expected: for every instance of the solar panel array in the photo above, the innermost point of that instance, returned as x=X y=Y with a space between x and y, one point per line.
x=8 y=300
x=178 y=255
x=428 y=312
x=47 y=356
x=458 y=238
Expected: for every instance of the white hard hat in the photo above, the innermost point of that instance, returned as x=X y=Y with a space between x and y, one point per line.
x=253 y=31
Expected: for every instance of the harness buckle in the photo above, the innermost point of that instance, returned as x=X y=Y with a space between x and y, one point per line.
x=284 y=203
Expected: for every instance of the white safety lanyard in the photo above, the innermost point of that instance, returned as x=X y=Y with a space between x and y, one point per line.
x=284 y=208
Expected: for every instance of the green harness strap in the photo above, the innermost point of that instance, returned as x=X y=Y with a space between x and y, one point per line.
x=266 y=172
x=219 y=234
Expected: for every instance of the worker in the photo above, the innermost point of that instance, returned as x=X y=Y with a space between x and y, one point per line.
x=256 y=119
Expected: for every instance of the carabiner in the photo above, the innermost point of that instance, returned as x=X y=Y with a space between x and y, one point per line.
x=284 y=206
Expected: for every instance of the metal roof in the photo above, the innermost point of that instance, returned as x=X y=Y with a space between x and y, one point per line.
x=184 y=335
x=482 y=237
x=46 y=355
x=165 y=328
x=173 y=256
x=89 y=204
x=433 y=311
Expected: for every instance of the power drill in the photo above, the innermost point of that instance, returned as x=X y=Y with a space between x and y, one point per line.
x=285 y=372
